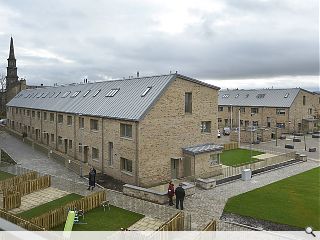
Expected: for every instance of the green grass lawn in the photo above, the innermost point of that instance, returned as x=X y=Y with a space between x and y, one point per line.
x=293 y=201
x=37 y=211
x=5 y=175
x=110 y=220
x=237 y=157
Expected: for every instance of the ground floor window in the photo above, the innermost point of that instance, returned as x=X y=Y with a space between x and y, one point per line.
x=95 y=153
x=281 y=125
x=214 y=159
x=126 y=165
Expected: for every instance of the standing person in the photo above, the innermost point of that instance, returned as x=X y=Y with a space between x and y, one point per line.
x=170 y=193
x=92 y=178
x=180 y=193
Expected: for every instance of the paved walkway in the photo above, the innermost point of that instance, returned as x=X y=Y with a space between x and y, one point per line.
x=146 y=224
x=203 y=206
x=37 y=198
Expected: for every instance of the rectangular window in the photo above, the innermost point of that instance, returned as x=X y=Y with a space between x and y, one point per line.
x=20 y=111
x=280 y=111
x=45 y=116
x=93 y=124
x=52 y=137
x=69 y=120
x=81 y=122
x=242 y=109
x=60 y=118
x=254 y=110
x=51 y=117
x=229 y=109
x=188 y=102
x=206 y=127
x=281 y=125
x=226 y=121
x=126 y=165
x=33 y=114
x=255 y=123
x=39 y=114
x=60 y=140
x=220 y=109
x=110 y=153
x=24 y=112
x=213 y=160
x=310 y=111
x=241 y=122
x=28 y=112
x=219 y=120
x=70 y=144
x=304 y=100
x=17 y=110
x=95 y=153
x=125 y=130
x=80 y=147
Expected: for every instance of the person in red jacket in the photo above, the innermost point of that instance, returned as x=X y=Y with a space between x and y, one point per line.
x=170 y=193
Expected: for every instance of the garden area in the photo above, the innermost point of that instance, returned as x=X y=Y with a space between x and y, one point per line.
x=238 y=157
x=293 y=201
x=5 y=175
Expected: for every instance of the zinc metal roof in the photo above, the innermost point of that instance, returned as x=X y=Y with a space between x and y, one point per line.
x=127 y=103
x=203 y=148
x=259 y=97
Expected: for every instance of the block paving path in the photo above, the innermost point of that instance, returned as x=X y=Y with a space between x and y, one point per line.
x=38 y=198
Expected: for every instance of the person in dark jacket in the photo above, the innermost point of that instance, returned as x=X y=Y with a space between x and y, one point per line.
x=180 y=193
x=170 y=193
x=92 y=178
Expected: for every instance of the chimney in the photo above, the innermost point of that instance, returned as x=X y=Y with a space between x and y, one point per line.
x=137 y=74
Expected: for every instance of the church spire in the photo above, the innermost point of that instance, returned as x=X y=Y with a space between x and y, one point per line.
x=11 y=53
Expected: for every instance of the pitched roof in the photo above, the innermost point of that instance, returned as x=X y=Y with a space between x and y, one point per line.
x=258 y=97
x=120 y=99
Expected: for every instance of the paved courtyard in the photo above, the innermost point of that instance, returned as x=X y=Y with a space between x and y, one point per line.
x=38 y=198
x=203 y=206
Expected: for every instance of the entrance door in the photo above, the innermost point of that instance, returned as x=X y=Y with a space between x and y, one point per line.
x=187 y=166
x=65 y=146
x=85 y=154
x=174 y=168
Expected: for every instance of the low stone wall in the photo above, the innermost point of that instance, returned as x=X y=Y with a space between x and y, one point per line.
x=206 y=183
x=152 y=195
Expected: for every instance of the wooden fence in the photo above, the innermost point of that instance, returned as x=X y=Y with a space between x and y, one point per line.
x=11 y=201
x=211 y=226
x=17 y=180
x=233 y=171
x=231 y=145
x=176 y=223
x=29 y=186
x=19 y=221
x=58 y=216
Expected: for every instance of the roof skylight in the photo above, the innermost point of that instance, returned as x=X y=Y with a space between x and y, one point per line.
x=86 y=93
x=45 y=94
x=286 y=96
x=261 y=95
x=75 y=94
x=112 y=92
x=96 y=93
x=66 y=94
x=146 y=91
x=237 y=95
x=52 y=94
x=57 y=95
x=225 y=96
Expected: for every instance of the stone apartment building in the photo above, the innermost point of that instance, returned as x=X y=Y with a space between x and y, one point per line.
x=287 y=109
x=142 y=131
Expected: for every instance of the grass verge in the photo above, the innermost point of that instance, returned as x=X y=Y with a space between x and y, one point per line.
x=293 y=201
x=5 y=175
x=110 y=220
x=237 y=157
x=39 y=210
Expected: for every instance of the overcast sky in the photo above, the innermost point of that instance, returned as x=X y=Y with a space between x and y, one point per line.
x=230 y=43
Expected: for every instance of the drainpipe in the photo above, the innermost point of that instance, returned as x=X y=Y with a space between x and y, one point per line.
x=56 y=131
x=102 y=148
x=74 y=136
x=137 y=154
x=194 y=169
